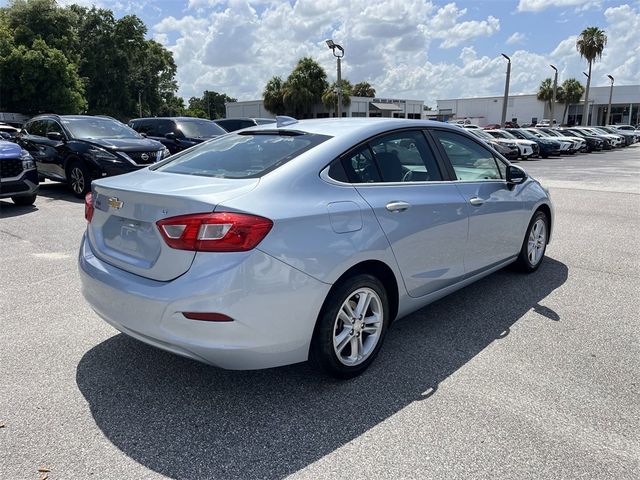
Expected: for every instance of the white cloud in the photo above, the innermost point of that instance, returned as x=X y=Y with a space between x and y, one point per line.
x=539 y=5
x=236 y=46
x=516 y=38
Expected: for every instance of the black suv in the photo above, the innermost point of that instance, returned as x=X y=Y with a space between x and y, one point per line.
x=233 y=124
x=78 y=148
x=177 y=133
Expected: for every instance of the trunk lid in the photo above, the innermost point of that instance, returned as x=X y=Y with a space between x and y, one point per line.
x=123 y=230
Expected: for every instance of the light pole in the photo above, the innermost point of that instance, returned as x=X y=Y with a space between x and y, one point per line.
x=338 y=52
x=506 y=92
x=140 y=102
x=555 y=91
x=609 y=107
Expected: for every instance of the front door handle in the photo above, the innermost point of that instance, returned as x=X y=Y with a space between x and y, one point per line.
x=397 y=206
x=475 y=201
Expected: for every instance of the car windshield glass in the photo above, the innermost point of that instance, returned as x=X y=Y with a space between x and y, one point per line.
x=96 y=127
x=480 y=133
x=505 y=134
x=242 y=155
x=526 y=134
x=200 y=128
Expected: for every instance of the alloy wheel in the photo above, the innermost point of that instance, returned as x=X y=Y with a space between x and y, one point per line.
x=537 y=242
x=358 y=327
x=77 y=180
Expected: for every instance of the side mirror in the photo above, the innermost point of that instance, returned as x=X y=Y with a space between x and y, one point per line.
x=55 y=136
x=515 y=175
x=170 y=136
x=143 y=134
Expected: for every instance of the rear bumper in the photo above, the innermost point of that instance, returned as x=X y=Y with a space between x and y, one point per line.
x=274 y=308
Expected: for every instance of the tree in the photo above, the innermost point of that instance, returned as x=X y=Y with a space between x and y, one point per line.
x=590 y=45
x=363 y=89
x=211 y=104
x=76 y=60
x=304 y=87
x=40 y=79
x=545 y=92
x=272 y=96
x=330 y=95
x=569 y=93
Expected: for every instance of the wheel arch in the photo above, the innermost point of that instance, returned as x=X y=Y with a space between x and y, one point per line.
x=544 y=208
x=382 y=272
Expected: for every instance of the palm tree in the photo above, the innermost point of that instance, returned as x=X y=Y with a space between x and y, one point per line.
x=363 y=89
x=330 y=97
x=569 y=93
x=590 y=45
x=304 y=87
x=545 y=91
x=272 y=96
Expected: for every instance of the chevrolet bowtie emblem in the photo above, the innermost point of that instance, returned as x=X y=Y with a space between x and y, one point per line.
x=114 y=202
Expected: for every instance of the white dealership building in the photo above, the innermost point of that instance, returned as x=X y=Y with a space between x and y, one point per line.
x=359 y=107
x=625 y=106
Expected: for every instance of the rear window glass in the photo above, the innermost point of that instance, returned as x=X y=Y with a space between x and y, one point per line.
x=243 y=155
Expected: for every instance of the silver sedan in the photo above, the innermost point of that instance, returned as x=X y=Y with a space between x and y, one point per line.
x=304 y=240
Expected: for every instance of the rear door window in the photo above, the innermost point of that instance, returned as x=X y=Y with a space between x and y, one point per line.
x=243 y=155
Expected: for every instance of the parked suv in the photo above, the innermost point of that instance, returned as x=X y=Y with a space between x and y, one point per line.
x=233 y=124
x=77 y=148
x=18 y=174
x=177 y=133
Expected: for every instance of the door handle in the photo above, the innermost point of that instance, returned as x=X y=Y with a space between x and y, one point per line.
x=397 y=206
x=475 y=201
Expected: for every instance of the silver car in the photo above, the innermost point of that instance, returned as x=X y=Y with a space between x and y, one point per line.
x=304 y=240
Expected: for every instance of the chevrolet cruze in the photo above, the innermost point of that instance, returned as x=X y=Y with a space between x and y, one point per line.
x=304 y=240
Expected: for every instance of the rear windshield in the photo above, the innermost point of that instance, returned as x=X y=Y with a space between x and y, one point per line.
x=242 y=155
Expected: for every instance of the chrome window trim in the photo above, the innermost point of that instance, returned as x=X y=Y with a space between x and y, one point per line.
x=324 y=175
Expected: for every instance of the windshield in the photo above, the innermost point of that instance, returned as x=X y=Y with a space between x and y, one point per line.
x=523 y=133
x=242 y=155
x=200 y=128
x=480 y=133
x=97 y=127
x=503 y=134
x=573 y=133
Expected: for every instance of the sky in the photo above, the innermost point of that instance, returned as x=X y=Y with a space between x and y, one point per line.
x=413 y=49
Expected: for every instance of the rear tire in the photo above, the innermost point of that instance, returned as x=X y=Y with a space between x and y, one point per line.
x=351 y=327
x=24 y=200
x=534 y=245
x=78 y=179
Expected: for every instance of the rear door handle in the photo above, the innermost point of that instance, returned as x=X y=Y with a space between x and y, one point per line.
x=476 y=201
x=397 y=206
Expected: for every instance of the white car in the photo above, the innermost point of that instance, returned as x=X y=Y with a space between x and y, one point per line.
x=527 y=148
x=616 y=140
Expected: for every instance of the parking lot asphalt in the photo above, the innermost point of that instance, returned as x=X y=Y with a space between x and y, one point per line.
x=513 y=377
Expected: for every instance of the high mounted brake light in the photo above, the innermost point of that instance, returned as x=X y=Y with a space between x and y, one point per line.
x=214 y=232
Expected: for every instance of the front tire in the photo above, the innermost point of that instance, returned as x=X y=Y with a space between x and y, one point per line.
x=78 y=179
x=351 y=327
x=24 y=200
x=534 y=245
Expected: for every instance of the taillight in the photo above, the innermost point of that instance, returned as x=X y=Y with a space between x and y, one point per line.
x=88 y=207
x=214 y=232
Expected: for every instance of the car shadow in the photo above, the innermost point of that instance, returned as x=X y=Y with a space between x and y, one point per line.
x=9 y=209
x=56 y=191
x=187 y=420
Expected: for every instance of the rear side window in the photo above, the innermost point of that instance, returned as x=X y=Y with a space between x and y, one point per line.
x=397 y=157
x=243 y=155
